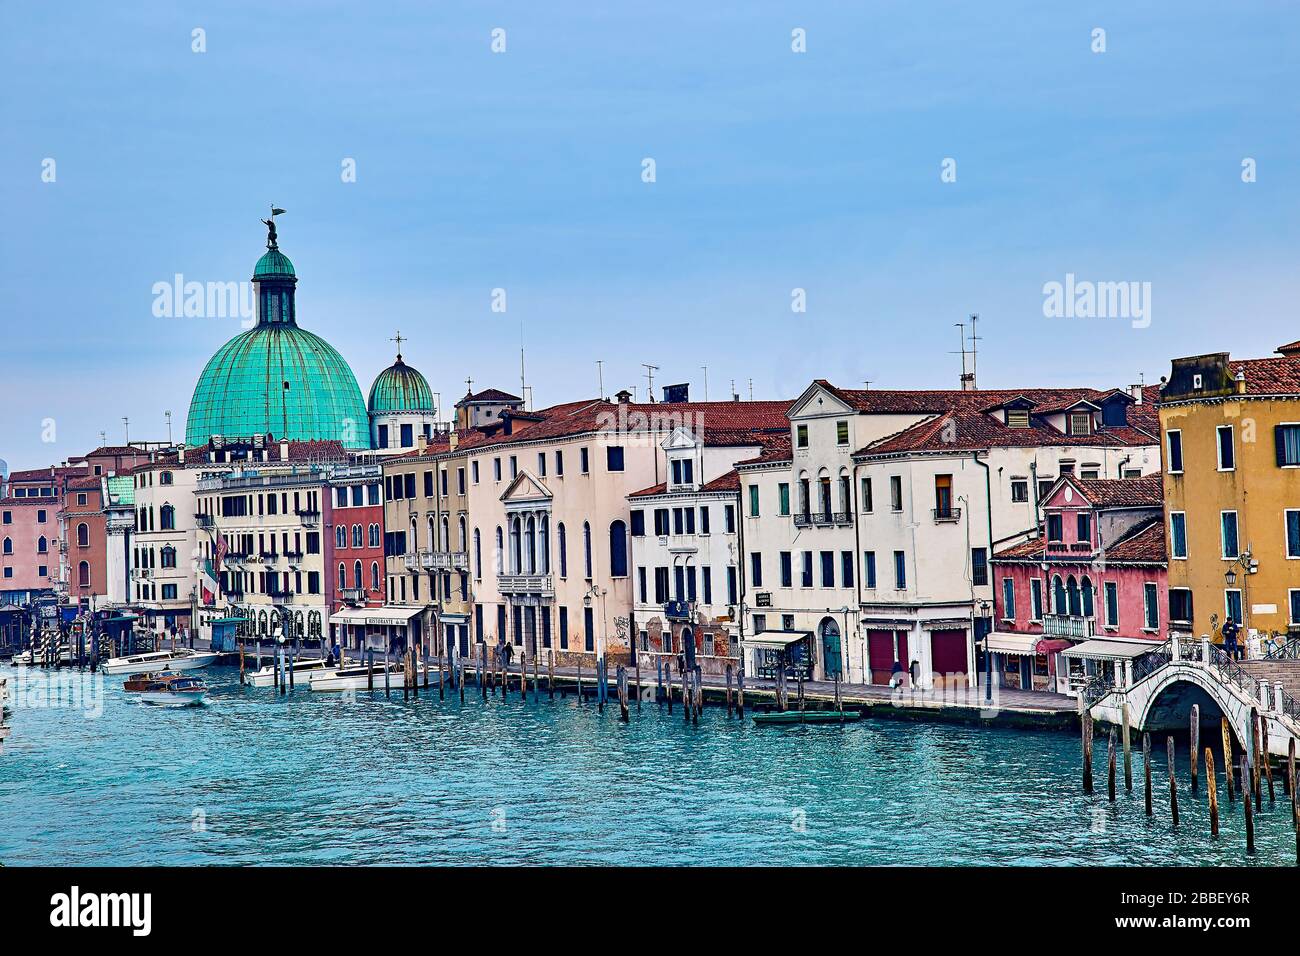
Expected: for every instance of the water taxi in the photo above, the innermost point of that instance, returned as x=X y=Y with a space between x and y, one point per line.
x=304 y=669
x=167 y=690
x=182 y=659
x=357 y=677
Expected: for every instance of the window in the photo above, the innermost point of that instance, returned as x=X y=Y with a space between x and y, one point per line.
x=1018 y=418
x=1110 y=592
x=8 y=547
x=617 y=550
x=1293 y=601
x=473 y=471
x=340 y=536
x=41 y=545
x=559 y=463
x=661 y=521
x=1008 y=599
x=614 y=458
x=708 y=584
x=733 y=589
x=83 y=573
x=828 y=569
x=81 y=499
x=408 y=436
x=1180 y=605
x=900 y=570
x=661 y=585
x=496 y=469
x=514 y=466
x=783 y=498
x=1292 y=533
x=586 y=548
x=841 y=433
x=1227 y=454
x=846 y=569
x=1228 y=534
x=1178 y=534
x=1036 y=599
x=1151 y=606
x=584 y=461
x=167 y=518
x=541 y=464
x=169 y=592
x=801 y=436
x=1083 y=522
x=756 y=569
x=979 y=567
x=866 y=496
x=1286 y=440
x=729 y=518
x=943 y=496
x=83 y=535
x=806 y=577
x=896 y=492
x=869 y=568
x=638 y=523
x=1232 y=604
x=1174 y=447
x=1019 y=490
x=753 y=501
x=787 y=570
x=704 y=519
x=168 y=557
x=1055 y=532
x=1080 y=423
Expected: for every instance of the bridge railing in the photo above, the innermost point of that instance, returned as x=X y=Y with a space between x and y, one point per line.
x=1097 y=687
x=1287 y=650
x=1231 y=672
x=1150 y=662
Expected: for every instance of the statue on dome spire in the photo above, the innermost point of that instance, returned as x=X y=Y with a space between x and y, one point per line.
x=270 y=228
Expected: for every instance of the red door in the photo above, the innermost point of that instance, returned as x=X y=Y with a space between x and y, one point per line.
x=948 y=658
x=880 y=654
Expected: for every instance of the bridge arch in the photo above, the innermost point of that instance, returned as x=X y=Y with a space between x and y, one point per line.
x=1164 y=702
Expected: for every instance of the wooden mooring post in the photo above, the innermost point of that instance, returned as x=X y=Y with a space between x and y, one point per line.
x=1194 y=749
x=622 y=692
x=636 y=663
x=536 y=679
x=1246 y=784
x=1265 y=759
x=1085 y=736
x=550 y=674
x=1254 y=759
x=580 y=681
x=483 y=669
x=740 y=691
x=698 y=680
x=1290 y=768
x=1227 y=759
x=686 y=697
x=1146 y=767
x=1128 y=750
x=729 y=705
x=1173 y=780
x=370 y=669
x=666 y=689
x=1212 y=788
x=1110 y=766
x=388 y=675
x=523 y=675
x=241 y=664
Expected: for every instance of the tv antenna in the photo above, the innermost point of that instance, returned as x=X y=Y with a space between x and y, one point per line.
x=650 y=380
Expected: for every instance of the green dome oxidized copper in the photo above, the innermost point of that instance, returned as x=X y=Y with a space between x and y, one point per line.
x=400 y=388
x=276 y=378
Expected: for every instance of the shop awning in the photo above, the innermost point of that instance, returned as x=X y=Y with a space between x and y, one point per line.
x=395 y=615
x=1099 y=649
x=775 y=640
x=1023 y=644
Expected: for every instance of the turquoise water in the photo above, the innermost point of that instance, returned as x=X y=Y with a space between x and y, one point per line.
x=316 y=779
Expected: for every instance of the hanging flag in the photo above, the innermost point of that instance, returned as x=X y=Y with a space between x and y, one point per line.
x=208 y=584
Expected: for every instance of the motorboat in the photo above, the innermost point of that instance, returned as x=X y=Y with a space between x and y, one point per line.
x=22 y=658
x=357 y=677
x=182 y=659
x=304 y=669
x=167 y=689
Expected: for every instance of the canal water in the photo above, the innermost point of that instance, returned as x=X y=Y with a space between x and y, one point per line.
x=253 y=778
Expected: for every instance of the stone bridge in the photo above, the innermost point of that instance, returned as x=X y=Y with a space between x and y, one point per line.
x=1161 y=686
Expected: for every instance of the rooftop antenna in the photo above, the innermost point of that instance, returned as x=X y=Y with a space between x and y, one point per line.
x=751 y=389
x=169 y=426
x=706 y=382
x=523 y=388
x=103 y=439
x=866 y=383
x=600 y=379
x=734 y=395
x=437 y=407
x=974 y=349
x=126 y=427
x=650 y=380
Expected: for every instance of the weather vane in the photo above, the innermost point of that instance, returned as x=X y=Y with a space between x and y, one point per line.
x=270 y=227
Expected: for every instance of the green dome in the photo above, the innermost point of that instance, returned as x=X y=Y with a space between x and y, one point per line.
x=274 y=263
x=400 y=388
x=280 y=379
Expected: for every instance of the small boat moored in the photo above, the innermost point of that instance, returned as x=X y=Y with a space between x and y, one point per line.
x=167 y=690
x=357 y=677
x=303 y=669
x=808 y=717
x=183 y=659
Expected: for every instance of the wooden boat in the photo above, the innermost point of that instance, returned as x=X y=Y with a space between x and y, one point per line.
x=182 y=659
x=167 y=690
x=356 y=677
x=808 y=717
x=304 y=669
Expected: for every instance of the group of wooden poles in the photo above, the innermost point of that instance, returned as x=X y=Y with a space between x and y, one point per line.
x=1253 y=773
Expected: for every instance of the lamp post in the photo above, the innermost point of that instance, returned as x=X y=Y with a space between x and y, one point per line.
x=988 y=657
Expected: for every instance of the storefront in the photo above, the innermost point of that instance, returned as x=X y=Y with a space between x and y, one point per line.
x=768 y=652
x=884 y=647
x=1028 y=661
x=1103 y=658
x=389 y=629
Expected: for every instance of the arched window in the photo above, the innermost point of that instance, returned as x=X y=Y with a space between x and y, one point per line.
x=1058 y=595
x=516 y=546
x=9 y=546
x=169 y=557
x=356 y=576
x=42 y=545
x=618 y=550
x=83 y=573
x=499 y=557
x=478 y=556
x=461 y=529
x=562 y=547
x=165 y=478
x=374 y=536
x=445 y=543
x=1087 y=597
x=530 y=545
x=167 y=518
x=374 y=575
x=341 y=536
x=83 y=535
x=544 y=544
x=586 y=547
x=1072 y=589
x=343 y=576
x=357 y=539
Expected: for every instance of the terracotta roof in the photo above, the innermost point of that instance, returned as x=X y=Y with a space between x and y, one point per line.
x=1144 y=544
x=44 y=474
x=489 y=395
x=968 y=429
x=728 y=482
x=1269 y=376
x=83 y=484
x=776 y=449
x=1147 y=491
x=111 y=451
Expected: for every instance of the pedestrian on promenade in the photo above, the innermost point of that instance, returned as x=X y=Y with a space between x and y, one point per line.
x=1229 y=632
x=896 y=674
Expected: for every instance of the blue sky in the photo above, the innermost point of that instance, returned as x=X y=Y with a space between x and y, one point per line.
x=522 y=170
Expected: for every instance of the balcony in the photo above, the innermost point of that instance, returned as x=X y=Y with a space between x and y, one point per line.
x=943 y=515
x=279 y=596
x=294 y=557
x=536 y=584
x=823 y=519
x=1073 y=626
x=203 y=521
x=419 y=560
x=353 y=595
x=451 y=561
x=310 y=517
x=141 y=573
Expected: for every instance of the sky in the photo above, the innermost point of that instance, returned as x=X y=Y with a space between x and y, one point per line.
x=523 y=170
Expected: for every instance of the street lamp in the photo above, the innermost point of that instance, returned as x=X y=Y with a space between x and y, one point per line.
x=988 y=656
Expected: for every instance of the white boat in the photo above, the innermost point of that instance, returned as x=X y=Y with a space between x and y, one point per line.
x=178 y=660
x=357 y=677
x=5 y=731
x=304 y=670
x=167 y=690
x=23 y=659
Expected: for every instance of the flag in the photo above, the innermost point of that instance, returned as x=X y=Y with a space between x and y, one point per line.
x=221 y=551
x=208 y=585
x=275 y=211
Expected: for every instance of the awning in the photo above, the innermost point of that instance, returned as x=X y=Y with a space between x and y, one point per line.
x=775 y=640
x=395 y=615
x=1099 y=649
x=1023 y=644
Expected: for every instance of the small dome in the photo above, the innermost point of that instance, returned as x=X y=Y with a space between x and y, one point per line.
x=400 y=388
x=274 y=263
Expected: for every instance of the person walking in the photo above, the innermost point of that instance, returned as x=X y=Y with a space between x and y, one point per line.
x=1229 y=632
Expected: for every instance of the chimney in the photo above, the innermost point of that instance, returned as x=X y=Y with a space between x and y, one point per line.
x=180 y=454
x=968 y=381
x=421 y=444
x=453 y=439
x=622 y=396
x=1135 y=391
x=1241 y=383
x=284 y=450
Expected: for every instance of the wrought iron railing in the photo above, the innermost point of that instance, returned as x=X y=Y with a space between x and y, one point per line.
x=1147 y=664
x=1097 y=687
x=1231 y=672
x=1287 y=650
x=945 y=514
x=1068 y=625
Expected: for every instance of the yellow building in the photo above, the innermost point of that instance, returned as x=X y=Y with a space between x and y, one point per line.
x=1230 y=435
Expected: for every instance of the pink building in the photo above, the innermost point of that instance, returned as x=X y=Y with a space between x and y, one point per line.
x=1097 y=573
x=29 y=532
